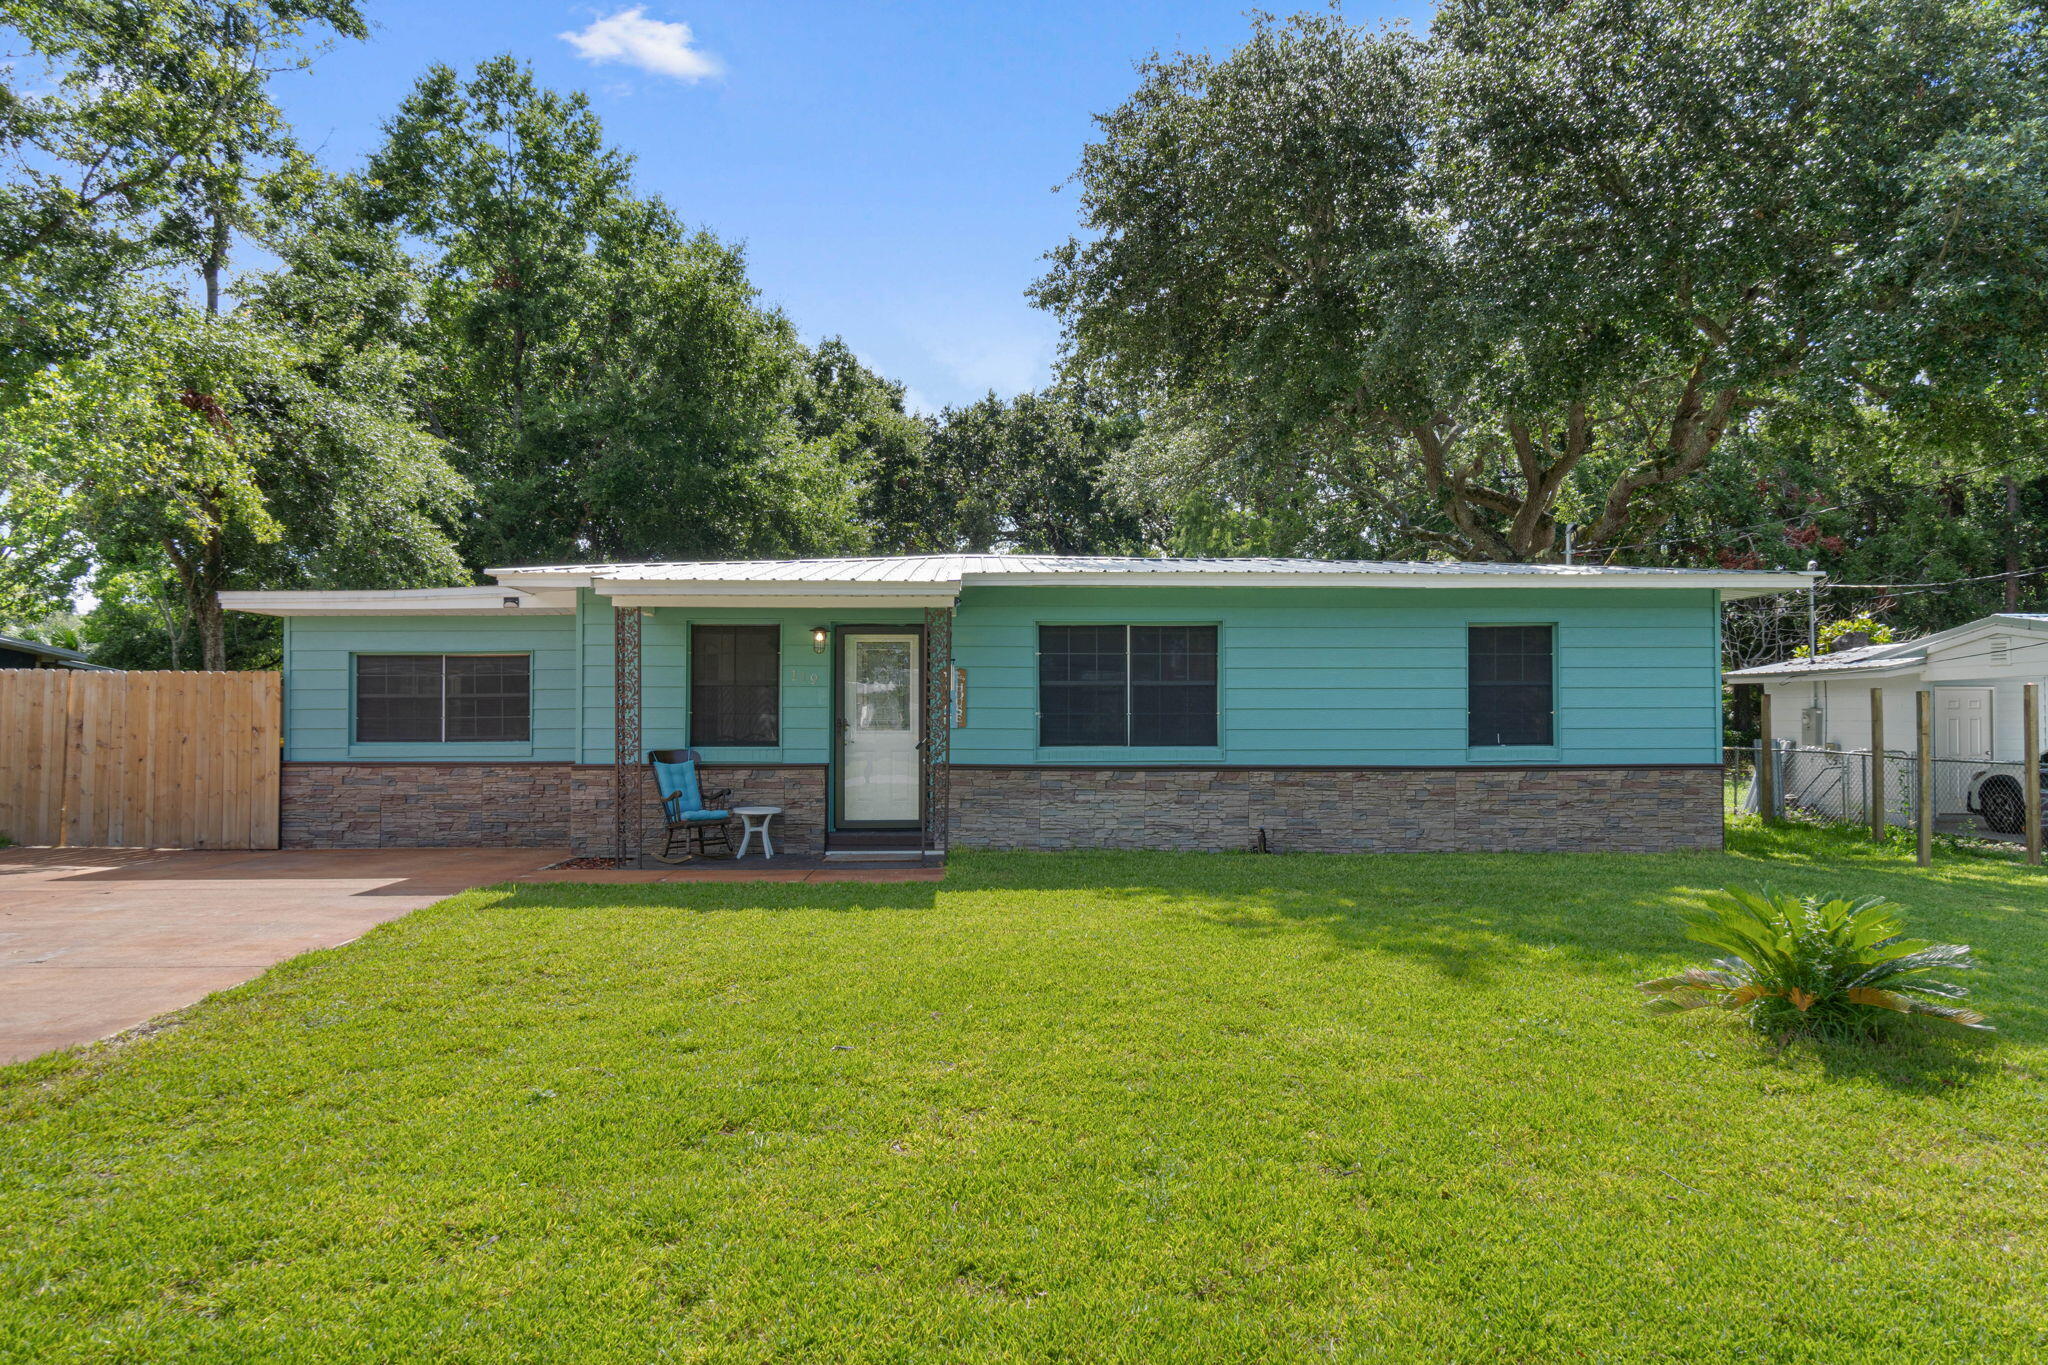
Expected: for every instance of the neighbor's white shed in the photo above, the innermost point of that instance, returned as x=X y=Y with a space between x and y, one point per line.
x=1975 y=671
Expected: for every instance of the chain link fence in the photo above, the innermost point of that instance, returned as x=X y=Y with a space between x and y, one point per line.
x=1977 y=799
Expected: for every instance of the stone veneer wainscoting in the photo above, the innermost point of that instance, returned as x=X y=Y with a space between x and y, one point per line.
x=423 y=805
x=1303 y=810
x=515 y=805
x=1339 y=810
x=799 y=788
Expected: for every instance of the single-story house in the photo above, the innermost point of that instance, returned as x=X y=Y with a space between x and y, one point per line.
x=1977 y=673
x=19 y=653
x=1020 y=701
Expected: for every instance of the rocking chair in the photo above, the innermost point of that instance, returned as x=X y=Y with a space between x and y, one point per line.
x=694 y=816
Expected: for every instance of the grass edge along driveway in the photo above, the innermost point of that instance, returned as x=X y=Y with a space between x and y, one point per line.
x=1104 y=1107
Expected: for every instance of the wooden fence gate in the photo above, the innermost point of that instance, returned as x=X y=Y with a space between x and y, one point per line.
x=139 y=760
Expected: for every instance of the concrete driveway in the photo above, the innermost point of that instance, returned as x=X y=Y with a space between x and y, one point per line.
x=94 y=941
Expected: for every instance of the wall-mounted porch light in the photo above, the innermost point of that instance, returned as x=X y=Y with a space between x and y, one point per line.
x=818 y=634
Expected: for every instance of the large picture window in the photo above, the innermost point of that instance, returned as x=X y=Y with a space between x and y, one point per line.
x=444 y=698
x=735 y=697
x=1511 y=692
x=1127 y=686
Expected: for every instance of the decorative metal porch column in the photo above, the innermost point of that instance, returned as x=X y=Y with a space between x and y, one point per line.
x=938 y=726
x=626 y=734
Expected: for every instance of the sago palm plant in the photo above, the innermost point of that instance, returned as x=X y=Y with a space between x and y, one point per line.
x=1808 y=964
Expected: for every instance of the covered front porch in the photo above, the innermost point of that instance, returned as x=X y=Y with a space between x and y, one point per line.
x=832 y=702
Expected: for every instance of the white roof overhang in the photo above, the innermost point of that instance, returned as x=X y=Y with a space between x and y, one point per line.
x=485 y=601
x=1731 y=586
x=936 y=581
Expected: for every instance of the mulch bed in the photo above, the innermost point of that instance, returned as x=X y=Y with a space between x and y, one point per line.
x=581 y=864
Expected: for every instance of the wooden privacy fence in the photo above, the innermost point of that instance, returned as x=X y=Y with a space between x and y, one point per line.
x=139 y=760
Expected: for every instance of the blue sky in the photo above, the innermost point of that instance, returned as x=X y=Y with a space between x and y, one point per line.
x=888 y=167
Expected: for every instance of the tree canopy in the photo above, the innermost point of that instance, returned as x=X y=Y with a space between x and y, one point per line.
x=1736 y=282
x=1399 y=294
x=204 y=446
x=605 y=377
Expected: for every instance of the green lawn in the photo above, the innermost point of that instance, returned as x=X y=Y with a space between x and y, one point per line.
x=1075 y=1108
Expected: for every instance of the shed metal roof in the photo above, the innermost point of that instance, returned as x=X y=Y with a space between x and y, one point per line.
x=1899 y=654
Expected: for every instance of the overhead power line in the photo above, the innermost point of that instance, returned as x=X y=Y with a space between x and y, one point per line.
x=1944 y=582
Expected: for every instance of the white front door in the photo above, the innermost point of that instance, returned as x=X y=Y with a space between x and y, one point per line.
x=1962 y=723
x=880 y=704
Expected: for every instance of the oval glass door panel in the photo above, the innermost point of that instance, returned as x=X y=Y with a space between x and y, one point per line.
x=878 y=761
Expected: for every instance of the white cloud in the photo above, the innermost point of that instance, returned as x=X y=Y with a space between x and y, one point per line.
x=650 y=44
x=1008 y=356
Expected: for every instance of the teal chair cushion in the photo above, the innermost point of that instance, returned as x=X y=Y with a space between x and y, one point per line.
x=680 y=780
x=709 y=817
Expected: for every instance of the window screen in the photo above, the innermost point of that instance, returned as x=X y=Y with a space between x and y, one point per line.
x=735 y=698
x=1122 y=686
x=435 y=698
x=1510 y=689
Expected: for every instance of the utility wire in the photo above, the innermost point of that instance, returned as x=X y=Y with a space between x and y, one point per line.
x=1943 y=582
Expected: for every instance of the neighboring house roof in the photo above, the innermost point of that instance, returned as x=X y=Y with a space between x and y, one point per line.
x=1900 y=656
x=53 y=656
x=935 y=580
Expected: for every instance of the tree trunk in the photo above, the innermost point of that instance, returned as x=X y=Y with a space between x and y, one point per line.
x=219 y=239
x=1747 y=708
x=213 y=641
x=216 y=260
x=199 y=578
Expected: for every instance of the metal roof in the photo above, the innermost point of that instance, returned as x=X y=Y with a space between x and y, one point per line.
x=936 y=580
x=950 y=571
x=69 y=658
x=1898 y=654
x=1842 y=662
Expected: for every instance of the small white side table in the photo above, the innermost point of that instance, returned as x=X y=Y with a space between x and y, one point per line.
x=754 y=820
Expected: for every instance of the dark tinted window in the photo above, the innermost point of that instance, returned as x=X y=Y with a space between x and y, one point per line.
x=1127 y=685
x=1083 y=685
x=1173 y=685
x=734 y=692
x=489 y=697
x=1510 y=696
x=429 y=698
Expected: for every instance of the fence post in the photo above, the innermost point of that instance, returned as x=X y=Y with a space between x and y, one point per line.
x=1766 y=763
x=1923 y=771
x=2030 y=772
x=1877 y=764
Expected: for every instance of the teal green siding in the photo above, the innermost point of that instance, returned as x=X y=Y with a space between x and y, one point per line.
x=319 y=692
x=1366 y=676
x=1324 y=676
x=665 y=679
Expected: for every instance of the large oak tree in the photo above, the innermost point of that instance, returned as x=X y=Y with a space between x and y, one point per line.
x=1385 y=293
